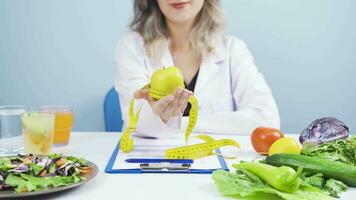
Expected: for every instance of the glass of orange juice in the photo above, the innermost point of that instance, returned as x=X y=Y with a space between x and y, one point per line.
x=37 y=131
x=63 y=123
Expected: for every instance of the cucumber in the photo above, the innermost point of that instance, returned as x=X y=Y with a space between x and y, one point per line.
x=332 y=169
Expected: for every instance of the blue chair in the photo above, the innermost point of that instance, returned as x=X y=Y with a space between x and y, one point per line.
x=112 y=112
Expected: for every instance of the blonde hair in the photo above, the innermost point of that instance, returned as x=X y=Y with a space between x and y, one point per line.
x=150 y=23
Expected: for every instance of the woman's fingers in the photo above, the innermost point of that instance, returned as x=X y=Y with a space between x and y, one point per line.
x=186 y=100
x=168 y=106
x=160 y=105
x=177 y=97
x=182 y=98
x=171 y=109
x=178 y=109
x=141 y=94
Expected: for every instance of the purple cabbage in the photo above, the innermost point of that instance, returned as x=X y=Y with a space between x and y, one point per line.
x=324 y=130
x=16 y=161
x=66 y=170
x=20 y=168
x=43 y=161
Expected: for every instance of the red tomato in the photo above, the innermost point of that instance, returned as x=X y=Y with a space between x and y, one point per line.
x=262 y=138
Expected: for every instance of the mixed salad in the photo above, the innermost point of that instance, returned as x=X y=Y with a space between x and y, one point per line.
x=321 y=165
x=27 y=173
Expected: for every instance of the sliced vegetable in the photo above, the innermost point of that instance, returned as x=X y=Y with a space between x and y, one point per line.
x=66 y=170
x=337 y=170
x=262 y=138
x=246 y=185
x=324 y=130
x=285 y=145
x=60 y=161
x=43 y=161
x=282 y=178
x=20 y=168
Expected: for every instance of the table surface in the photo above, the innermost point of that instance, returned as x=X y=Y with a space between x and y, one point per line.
x=98 y=146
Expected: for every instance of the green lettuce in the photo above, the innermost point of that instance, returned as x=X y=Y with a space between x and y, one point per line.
x=331 y=186
x=343 y=150
x=35 y=169
x=245 y=185
x=77 y=160
x=5 y=164
x=23 y=182
x=335 y=187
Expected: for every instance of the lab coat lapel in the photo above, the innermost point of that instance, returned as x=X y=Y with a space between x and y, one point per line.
x=210 y=67
x=208 y=70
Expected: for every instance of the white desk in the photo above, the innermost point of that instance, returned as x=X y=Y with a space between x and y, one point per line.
x=97 y=147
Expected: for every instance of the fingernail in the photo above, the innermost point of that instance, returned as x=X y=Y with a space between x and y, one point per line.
x=179 y=90
x=170 y=98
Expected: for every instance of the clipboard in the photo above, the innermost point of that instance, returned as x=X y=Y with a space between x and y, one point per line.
x=111 y=170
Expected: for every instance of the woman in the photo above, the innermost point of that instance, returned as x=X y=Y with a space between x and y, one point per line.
x=233 y=96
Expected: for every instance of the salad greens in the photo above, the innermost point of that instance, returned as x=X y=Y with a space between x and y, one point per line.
x=331 y=186
x=5 y=164
x=244 y=184
x=26 y=173
x=26 y=183
x=343 y=150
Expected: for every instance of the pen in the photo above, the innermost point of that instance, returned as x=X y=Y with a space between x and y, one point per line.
x=147 y=160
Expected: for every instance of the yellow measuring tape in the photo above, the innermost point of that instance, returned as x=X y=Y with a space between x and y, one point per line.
x=200 y=150
x=185 y=152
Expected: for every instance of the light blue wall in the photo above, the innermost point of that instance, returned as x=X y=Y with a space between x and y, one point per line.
x=59 y=52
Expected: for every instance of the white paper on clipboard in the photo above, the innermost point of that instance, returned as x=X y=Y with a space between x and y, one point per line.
x=155 y=148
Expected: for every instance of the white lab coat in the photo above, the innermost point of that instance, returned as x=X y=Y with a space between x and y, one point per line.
x=233 y=96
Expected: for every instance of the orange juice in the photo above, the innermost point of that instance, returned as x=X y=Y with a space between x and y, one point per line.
x=63 y=123
x=63 y=126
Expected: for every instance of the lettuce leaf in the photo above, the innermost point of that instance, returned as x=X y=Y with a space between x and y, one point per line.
x=5 y=164
x=23 y=182
x=77 y=160
x=243 y=184
x=35 y=169
x=19 y=183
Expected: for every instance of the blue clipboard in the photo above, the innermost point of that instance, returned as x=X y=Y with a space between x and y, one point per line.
x=109 y=167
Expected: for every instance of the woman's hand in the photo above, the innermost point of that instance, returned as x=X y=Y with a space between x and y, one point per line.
x=168 y=106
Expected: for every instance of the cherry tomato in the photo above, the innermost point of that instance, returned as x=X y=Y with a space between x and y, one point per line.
x=262 y=138
x=285 y=145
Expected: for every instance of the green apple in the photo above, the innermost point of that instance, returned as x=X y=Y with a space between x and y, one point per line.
x=165 y=81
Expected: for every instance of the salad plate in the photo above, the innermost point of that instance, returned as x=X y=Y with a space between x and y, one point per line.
x=33 y=175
